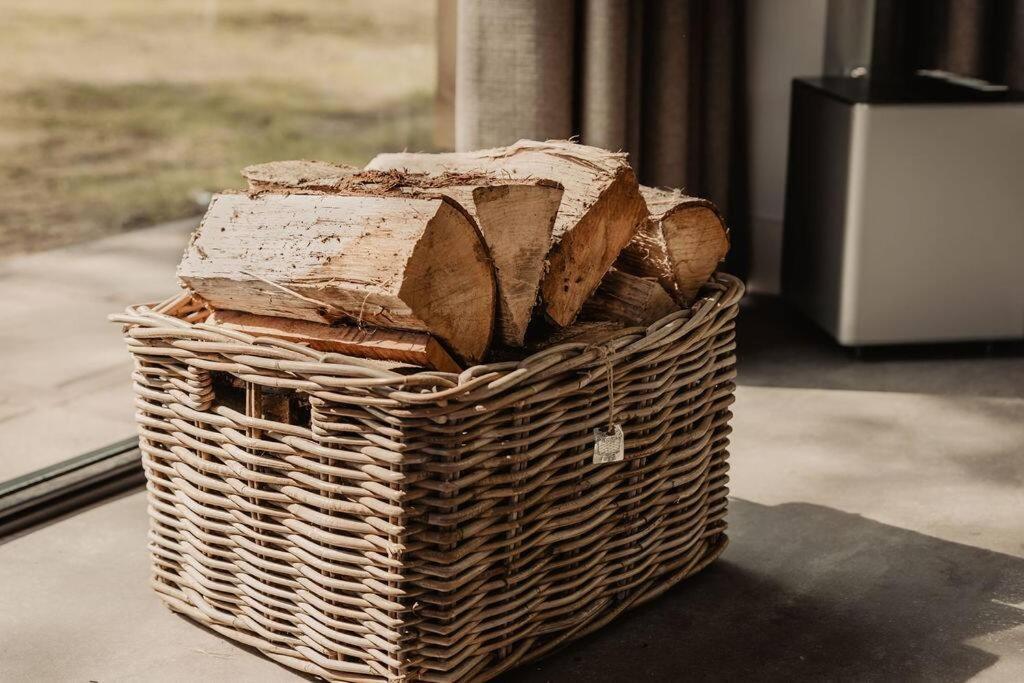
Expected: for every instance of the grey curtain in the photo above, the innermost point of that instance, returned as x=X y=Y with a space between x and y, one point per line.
x=514 y=71
x=661 y=79
x=980 y=38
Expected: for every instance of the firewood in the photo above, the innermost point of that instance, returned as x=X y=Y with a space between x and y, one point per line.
x=629 y=299
x=516 y=218
x=600 y=212
x=391 y=262
x=517 y=221
x=276 y=175
x=586 y=332
x=401 y=346
x=681 y=244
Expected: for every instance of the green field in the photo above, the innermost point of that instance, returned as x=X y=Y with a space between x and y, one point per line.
x=116 y=114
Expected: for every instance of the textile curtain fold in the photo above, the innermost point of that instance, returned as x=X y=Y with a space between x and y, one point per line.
x=978 y=38
x=661 y=79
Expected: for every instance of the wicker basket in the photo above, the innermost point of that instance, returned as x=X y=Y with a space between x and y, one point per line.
x=362 y=524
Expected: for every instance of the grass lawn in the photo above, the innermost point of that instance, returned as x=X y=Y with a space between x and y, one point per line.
x=118 y=113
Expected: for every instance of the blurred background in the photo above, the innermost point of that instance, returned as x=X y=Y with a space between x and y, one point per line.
x=119 y=114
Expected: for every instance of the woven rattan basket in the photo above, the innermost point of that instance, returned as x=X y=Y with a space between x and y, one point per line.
x=362 y=524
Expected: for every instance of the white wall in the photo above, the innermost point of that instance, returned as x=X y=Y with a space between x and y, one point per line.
x=786 y=39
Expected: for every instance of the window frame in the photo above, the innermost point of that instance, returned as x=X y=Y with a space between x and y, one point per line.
x=66 y=487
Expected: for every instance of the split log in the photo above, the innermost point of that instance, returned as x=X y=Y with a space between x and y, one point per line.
x=587 y=332
x=629 y=299
x=278 y=175
x=600 y=212
x=517 y=222
x=391 y=262
x=418 y=348
x=516 y=218
x=681 y=244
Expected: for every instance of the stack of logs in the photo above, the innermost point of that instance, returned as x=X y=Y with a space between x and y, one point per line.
x=448 y=260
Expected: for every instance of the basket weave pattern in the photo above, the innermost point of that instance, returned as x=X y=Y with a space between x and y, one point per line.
x=365 y=525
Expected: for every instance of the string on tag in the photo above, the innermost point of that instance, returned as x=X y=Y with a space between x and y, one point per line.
x=610 y=372
x=609 y=441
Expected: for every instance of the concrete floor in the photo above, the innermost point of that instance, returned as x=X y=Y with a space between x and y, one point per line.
x=877 y=526
x=875 y=537
x=65 y=372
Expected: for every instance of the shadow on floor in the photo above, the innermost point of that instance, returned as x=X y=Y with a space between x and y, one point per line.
x=808 y=593
x=779 y=347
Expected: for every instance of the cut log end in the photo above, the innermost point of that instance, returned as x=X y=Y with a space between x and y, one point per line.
x=449 y=283
x=681 y=244
x=516 y=218
x=697 y=241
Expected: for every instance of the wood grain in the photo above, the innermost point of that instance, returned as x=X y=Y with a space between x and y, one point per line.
x=391 y=262
x=600 y=212
x=516 y=218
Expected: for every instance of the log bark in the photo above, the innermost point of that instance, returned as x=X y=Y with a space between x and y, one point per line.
x=391 y=262
x=297 y=173
x=516 y=219
x=681 y=244
x=629 y=299
x=418 y=348
x=600 y=212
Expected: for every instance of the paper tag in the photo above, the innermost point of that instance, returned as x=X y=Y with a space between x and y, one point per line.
x=609 y=445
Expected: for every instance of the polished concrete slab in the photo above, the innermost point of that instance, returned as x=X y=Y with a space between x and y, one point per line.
x=66 y=374
x=75 y=606
x=875 y=536
x=781 y=348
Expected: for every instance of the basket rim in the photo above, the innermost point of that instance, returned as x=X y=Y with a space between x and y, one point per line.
x=146 y=321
